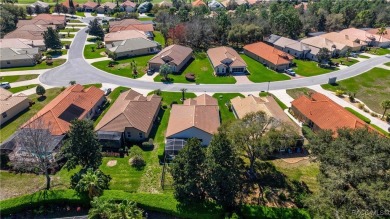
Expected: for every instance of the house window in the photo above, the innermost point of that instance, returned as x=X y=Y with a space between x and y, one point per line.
x=128 y=134
x=8 y=62
x=4 y=114
x=141 y=135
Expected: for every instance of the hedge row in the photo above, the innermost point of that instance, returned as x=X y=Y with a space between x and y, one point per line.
x=360 y=116
x=164 y=203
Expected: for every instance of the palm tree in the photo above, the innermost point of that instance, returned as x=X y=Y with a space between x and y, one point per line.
x=101 y=209
x=93 y=183
x=381 y=31
x=183 y=91
x=128 y=209
x=385 y=106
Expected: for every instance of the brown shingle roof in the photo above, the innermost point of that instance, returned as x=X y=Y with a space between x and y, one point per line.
x=218 y=54
x=175 y=53
x=129 y=3
x=74 y=102
x=22 y=23
x=124 y=35
x=269 y=53
x=7 y=101
x=131 y=109
x=201 y=112
x=375 y=31
x=15 y=43
x=90 y=4
x=50 y=17
x=67 y=3
x=140 y=27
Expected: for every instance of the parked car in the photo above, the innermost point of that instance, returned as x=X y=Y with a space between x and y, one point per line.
x=150 y=72
x=107 y=91
x=5 y=85
x=290 y=72
x=352 y=54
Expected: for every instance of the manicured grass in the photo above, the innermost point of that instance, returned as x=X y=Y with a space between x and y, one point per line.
x=380 y=130
x=346 y=62
x=71 y=36
x=70 y=29
x=21 y=88
x=158 y=37
x=204 y=73
x=387 y=64
x=360 y=116
x=56 y=53
x=80 y=13
x=223 y=98
x=363 y=56
x=42 y=65
x=12 y=125
x=16 y=78
x=111 y=97
x=280 y=103
x=88 y=54
x=297 y=92
x=371 y=87
x=260 y=73
x=310 y=68
x=98 y=85
x=146 y=18
x=75 y=21
x=379 y=51
x=122 y=67
x=304 y=170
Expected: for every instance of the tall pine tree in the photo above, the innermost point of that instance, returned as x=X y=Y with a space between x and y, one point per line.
x=95 y=29
x=52 y=39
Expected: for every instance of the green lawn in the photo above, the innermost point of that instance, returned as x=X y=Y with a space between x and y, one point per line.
x=223 y=98
x=146 y=18
x=344 y=61
x=371 y=87
x=75 y=21
x=80 y=13
x=363 y=56
x=204 y=73
x=387 y=64
x=21 y=88
x=70 y=36
x=17 y=78
x=12 y=125
x=70 y=29
x=360 y=116
x=122 y=67
x=42 y=65
x=88 y=54
x=297 y=92
x=259 y=73
x=55 y=53
x=310 y=68
x=379 y=51
x=158 y=37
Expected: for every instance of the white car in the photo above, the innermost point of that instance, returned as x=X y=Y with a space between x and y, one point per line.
x=290 y=72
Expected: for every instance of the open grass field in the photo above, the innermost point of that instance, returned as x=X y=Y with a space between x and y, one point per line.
x=310 y=68
x=371 y=87
x=260 y=73
x=158 y=37
x=297 y=92
x=22 y=88
x=204 y=73
x=379 y=51
x=226 y=114
x=345 y=61
x=42 y=65
x=17 y=78
x=95 y=53
x=12 y=125
x=122 y=67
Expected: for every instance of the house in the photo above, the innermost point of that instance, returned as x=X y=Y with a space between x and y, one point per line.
x=174 y=55
x=42 y=6
x=133 y=47
x=268 y=55
x=90 y=6
x=226 y=60
x=75 y=102
x=11 y=105
x=321 y=113
x=123 y=35
x=132 y=24
x=131 y=118
x=31 y=32
x=18 y=43
x=107 y=7
x=195 y=118
x=375 y=31
x=292 y=47
x=370 y=37
x=227 y=3
x=10 y=57
x=70 y=4
x=145 y=7
x=271 y=39
x=215 y=5
x=321 y=42
x=165 y=4
x=59 y=21
x=128 y=6
x=352 y=43
x=198 y=3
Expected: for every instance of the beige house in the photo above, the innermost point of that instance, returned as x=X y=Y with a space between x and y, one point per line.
x=352 y=43
x=133 y=47
x=175 y=56
x=130 y=118
x=90 y=6
x=226 y=60
x=320 y=42
x=11 y=105
x=10 y=57
x=195 y=118
x=369 y=37
x=107 y=7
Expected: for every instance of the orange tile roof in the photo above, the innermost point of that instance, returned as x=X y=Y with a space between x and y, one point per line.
x=269 y=53
x=90 y=4
x=198 y=3
x=74 y=102
x=326 y=114
x=67 y=3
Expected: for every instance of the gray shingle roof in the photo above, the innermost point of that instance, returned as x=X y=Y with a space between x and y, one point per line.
x=17 y=54
x=131 y=45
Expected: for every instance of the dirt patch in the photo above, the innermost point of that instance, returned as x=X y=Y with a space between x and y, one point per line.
x=103 y=53
x=111 y=163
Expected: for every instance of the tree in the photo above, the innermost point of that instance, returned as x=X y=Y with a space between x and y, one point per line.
x=40 y=90
x=183 y=91
x=36 y=142
x=37 y=9
x=29 y=11
x=133 y=68
x=110 y=209
x=381 y=31
x=188 y=173
x=91 y=182
x=334 y=22
x=323 y=55
x=82 y=147
x=95 y=29
x=354 y=173
x=385 y=106
x=51 y=39
x=223 y=171
x=72 y=82
x=165 y=70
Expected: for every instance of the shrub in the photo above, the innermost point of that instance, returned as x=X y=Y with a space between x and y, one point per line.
x=137 y=162
x=351 y=97
x=190 y=77
x=361 y=106
x=307 y=132
x=340 y=93
x=148 y=143
x=135 y=151
x=374 y=114
x=366 y=110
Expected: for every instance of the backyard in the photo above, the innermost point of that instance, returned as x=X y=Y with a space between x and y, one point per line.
x=17 y=78
x=310 y=68
x=223 y=98
x=371 y=87
x=42 y=65
x=122 y=67
x=91 y=51
x=260 y=73
x=204 y=73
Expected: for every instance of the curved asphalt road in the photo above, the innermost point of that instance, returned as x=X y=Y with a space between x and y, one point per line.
x=77 y=69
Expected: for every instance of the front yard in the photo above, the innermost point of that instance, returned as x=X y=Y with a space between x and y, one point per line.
x=122 y=67
x=42 y=65
x=17 y=78
x=260 y=73
x=345 y=61
x=310 y=68
x=371 y=87
x=91 y=51
x=21 y=88
x=379 y=51
x=204 y=73
x=223 y=98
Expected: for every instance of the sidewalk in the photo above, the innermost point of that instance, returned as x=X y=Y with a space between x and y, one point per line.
x=32 y=90
x=24 y=83
x=283 y=96
x=97 y=60
x=25 y=72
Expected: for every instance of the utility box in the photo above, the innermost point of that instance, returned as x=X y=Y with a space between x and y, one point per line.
x=332 y=80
